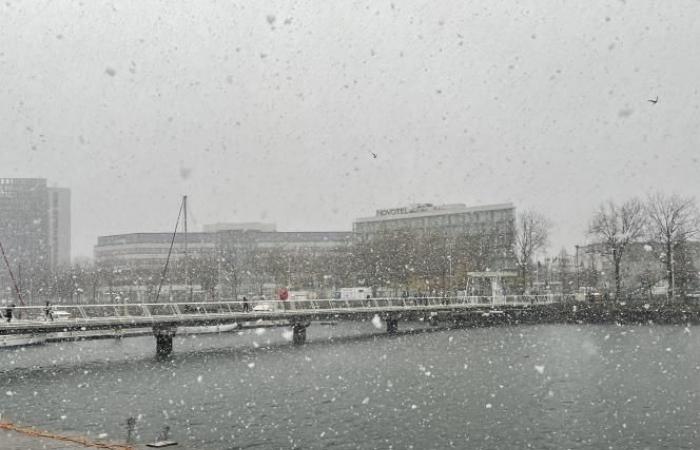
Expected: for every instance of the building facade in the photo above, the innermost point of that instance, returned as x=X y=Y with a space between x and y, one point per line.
x=452 y=218
x=35 y=235
x=59 y=226
x=231 y=262
x=24 y=224
x=643 y=269
x=433 y=248
x=239 y=226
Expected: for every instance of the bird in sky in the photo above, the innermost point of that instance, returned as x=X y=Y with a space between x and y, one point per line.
x=654 y=101
x=374 y=155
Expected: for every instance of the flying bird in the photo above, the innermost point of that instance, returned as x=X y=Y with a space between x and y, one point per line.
x=374 y=155
x=654 y=101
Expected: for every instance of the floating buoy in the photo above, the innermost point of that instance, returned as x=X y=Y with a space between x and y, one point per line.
x=160 y=444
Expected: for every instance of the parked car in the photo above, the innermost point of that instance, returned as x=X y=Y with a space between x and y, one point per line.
x=263 y=307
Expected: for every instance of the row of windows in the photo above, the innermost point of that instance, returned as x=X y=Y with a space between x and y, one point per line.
x=438 y=220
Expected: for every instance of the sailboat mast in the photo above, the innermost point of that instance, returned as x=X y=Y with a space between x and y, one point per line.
x=187 y=268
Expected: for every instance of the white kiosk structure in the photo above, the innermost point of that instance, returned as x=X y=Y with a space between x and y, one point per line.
x=482 y=283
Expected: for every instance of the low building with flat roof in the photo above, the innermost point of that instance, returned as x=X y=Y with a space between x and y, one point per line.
x=239 y=226
x=450 y=218
x=432 y=247
x=235 y=261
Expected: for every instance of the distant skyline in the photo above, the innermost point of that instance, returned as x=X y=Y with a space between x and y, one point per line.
x=311 y=114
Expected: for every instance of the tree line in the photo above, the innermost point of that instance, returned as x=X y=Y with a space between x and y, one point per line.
x=668 y=222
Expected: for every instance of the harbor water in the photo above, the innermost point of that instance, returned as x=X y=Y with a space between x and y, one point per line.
x=353 y=386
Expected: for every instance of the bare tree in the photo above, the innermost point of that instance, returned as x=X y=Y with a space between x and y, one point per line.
x=673 y=220
x=531 y=236
x=614 y=227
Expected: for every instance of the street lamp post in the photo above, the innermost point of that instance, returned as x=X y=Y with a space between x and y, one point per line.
x=578 y=272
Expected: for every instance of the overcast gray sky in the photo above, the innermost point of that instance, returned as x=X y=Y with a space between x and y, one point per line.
x=269 y=110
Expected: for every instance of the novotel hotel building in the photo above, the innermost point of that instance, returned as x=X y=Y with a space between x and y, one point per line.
x=452 y=219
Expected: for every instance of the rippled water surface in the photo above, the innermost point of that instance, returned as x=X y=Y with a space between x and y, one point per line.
x=353 y=387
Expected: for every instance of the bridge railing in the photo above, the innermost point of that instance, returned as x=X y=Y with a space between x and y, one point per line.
x=129 y=311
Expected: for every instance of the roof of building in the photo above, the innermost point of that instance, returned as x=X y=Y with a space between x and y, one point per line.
x=427 y=210
x=205 y=237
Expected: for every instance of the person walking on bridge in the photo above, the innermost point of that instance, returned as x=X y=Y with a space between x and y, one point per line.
x=48 y=313
x=8 y=312
x=246 y=306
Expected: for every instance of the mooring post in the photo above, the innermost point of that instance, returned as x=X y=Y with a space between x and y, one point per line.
x=392 y=325
x=299 y=336
x=164 y=339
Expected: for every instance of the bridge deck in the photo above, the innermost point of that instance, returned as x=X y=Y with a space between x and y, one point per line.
x=33 y=319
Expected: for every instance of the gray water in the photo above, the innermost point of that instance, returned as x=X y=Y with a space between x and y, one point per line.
x=353 y=387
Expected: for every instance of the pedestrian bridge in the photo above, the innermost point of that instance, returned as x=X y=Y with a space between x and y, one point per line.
x=165 y=318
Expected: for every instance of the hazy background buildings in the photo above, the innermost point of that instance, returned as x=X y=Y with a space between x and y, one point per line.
x=424 y=247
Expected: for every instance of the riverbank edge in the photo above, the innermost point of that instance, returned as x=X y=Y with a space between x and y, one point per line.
x=31 y=434
x=575 y=314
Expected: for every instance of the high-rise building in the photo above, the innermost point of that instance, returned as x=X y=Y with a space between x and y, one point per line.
x=24 y=224
x=59 y=226
x=34 y=226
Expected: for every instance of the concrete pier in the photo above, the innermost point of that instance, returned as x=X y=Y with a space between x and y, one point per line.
x=164 y=339
x=299 y=330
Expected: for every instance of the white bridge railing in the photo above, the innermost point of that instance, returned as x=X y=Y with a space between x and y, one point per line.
x=182 y=310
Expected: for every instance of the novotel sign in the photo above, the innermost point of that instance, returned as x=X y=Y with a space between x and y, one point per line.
x=392 y=211
x=406 y=209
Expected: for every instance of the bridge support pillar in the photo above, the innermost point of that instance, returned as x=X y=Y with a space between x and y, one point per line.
x=392 y=325
x=164 y=340
x=299 y=336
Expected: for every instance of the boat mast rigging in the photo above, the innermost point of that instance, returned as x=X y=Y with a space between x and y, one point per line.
x=18 y=292
x=170 y=250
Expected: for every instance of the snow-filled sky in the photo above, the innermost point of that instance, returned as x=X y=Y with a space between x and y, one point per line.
x=270 y=111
